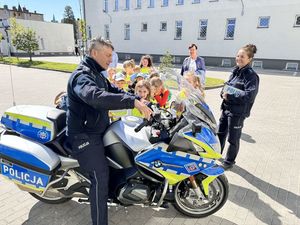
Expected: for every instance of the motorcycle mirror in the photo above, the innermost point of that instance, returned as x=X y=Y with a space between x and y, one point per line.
x=196 y=128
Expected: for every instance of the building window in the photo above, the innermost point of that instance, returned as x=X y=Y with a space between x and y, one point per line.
x=263 y=22
x=106 y=32
x=180 y=2
x=164 y=3
x=230 y=27
x=127 y=4
x=151 y=4
x=163 y=26
x=297 y=21
x=144 y=27
x=105 y=8
x=127 y=31
x=195 y=1
x=116 y=5
x=178 y=30
x=138 y=4
x=202 y=29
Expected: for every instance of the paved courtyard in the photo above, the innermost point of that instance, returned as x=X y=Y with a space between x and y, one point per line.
x=264 y=184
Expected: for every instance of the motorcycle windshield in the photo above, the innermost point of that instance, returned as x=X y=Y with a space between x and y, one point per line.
x=184 y=93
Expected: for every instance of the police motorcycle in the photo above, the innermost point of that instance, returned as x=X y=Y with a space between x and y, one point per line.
x=170 y=158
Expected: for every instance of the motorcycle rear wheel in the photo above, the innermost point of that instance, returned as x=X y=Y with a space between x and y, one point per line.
x=187 y=203
x=48 y=200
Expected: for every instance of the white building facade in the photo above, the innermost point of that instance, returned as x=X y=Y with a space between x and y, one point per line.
x=218 y=27
x=54 y=38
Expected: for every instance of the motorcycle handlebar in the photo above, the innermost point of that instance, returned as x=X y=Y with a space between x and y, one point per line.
x=139 y=127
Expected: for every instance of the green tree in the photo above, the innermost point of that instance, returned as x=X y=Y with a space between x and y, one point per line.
x=68 y=17
x=82 y=29
x=166 y=62
x=23 y=39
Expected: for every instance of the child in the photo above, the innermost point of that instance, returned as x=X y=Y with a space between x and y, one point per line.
x=143 y=90
x=146 y=64
x=194 y=81
x=128 y=67
x=111 y=72
x=159 y=92
x=119 y=80
x=139 y=77
x=136 y=71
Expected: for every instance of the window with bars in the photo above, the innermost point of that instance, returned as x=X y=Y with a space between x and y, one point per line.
x=138 y=4
x=144 y=27
x=116 y=5
x=202 y=29
x=151 y=4
x=180 y=2
x=126 y=31
x=230 y=27
x=127 y=4
x=163 y=26
x=164 y=3
x=105 y=6
x=263 y=22
x=106 y=31
x=178 y=30
x=297 y=21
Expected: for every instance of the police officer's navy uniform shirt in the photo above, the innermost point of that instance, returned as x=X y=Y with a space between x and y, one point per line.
x=90 y=96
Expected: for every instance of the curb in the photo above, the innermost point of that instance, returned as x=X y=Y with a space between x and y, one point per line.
x=63 y=71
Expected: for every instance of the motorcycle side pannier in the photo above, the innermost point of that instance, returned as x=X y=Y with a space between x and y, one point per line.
x=28 y=164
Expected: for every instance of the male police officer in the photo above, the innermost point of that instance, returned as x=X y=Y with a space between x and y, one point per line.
x=90 y=96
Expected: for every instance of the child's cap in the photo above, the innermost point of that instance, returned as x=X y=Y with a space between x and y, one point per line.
x=140 y=75
x=119 y=76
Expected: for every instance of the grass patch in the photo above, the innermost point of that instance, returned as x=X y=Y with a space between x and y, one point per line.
x=65 y=67
x=213 y=82
x=69 y=67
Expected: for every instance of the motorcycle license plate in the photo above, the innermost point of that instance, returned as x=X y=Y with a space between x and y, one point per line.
x=23 y=176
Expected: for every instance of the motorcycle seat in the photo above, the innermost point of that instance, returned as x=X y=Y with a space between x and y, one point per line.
x=58 y=117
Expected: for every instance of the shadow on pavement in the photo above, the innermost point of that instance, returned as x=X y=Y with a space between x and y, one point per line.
x=248 y=138
x=249 y=199
x=278 y=194
x=74 y=213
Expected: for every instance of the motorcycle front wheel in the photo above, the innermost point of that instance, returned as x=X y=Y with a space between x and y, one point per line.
x=187 y=202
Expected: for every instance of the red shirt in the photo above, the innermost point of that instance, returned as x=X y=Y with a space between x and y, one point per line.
x=162 y=98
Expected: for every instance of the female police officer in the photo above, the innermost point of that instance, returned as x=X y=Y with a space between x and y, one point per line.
x=238 y=97
x=90 y=96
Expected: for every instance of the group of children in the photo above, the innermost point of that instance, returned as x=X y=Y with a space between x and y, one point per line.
x=143 y=81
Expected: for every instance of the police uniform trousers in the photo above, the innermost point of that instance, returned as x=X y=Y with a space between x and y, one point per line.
x=90 y=153
x=230 y=125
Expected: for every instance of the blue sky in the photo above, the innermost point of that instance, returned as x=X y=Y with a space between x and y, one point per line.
x=46 y=7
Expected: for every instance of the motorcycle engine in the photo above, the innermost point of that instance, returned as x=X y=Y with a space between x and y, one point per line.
x=134 y=192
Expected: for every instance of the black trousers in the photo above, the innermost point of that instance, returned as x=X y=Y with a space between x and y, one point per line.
x=89 y=151
x=231 y=126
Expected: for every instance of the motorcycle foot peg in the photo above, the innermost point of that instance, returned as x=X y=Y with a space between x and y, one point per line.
x=165 y=205
x=82 y=200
